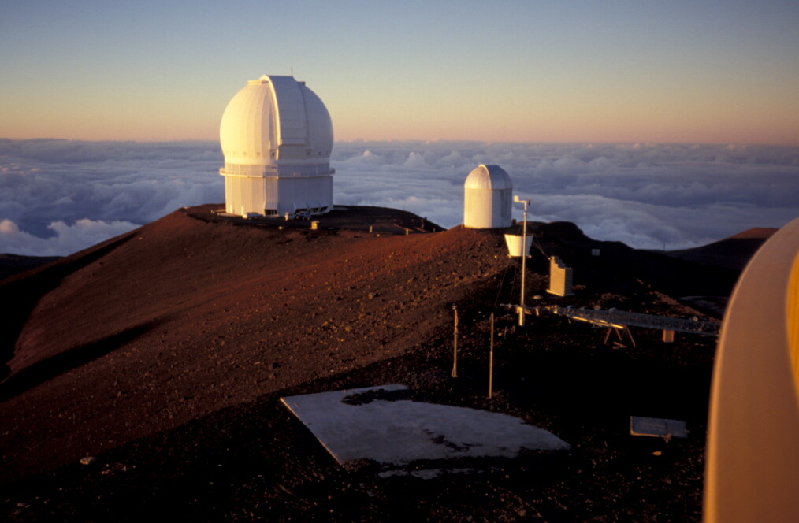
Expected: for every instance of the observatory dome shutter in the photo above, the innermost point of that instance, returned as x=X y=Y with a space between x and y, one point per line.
x=293 y=125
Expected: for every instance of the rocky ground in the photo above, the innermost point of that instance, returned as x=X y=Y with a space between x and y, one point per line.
x=144 y=374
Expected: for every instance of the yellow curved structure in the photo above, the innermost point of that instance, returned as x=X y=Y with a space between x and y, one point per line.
x=752 y=468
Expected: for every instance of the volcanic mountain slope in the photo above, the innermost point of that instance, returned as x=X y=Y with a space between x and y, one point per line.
x=732 y=253
x=185 y=317
x=616 y=261
x=163 y=353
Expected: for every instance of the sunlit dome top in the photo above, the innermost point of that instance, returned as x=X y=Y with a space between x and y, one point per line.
x=274 y=120
x=488 y=177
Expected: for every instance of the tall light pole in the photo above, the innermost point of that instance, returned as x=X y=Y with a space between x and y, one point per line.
x=524 y=256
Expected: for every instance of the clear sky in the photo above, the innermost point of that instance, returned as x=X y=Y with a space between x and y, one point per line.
x=525 y=71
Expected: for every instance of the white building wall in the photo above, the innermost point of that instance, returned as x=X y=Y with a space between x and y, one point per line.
x=278 y=195
x=245 y=194
x=477 y=208
x=305 y=192
x=271 y=196
x=254 y=195
x=487 y=208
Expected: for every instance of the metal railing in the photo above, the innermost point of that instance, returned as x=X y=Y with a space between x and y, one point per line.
x=619 y=319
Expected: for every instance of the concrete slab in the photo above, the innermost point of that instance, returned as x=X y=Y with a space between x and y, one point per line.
x=659 y=427
x=379 y=424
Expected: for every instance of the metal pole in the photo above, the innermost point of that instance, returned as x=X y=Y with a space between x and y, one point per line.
x=455 y=349
x=524 y=264
x=491 y=361
x=524 y=258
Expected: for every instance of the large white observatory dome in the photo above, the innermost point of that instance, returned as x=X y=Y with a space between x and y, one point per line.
x=487 y=198
x=276 y=135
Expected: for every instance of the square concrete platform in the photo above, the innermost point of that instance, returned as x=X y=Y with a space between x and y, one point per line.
x=381 y=424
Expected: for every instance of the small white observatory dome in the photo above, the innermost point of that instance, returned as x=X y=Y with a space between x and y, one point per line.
x=276 y=135
x=487 y=198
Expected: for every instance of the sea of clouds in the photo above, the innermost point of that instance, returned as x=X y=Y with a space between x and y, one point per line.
x=61 y=196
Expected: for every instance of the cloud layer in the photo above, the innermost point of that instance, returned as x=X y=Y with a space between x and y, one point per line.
x=644 y=195
x=60 y=196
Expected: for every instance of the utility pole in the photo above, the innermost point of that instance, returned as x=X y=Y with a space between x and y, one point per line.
x=524 y=256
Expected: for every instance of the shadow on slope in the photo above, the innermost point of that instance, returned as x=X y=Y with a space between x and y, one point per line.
x=38 y=373
x=28 y=288
x=254 y=460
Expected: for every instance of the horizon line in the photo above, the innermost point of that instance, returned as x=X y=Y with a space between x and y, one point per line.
x=419 y=141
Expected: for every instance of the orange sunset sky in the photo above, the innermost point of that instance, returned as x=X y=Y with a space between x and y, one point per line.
x=523 y=71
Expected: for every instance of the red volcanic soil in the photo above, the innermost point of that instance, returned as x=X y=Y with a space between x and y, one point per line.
x=756 y=233
x=162 y=355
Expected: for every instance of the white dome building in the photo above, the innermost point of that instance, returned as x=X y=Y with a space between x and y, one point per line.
x=276 y=135
x=487 y=198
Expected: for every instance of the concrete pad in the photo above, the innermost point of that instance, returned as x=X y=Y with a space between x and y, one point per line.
x=369 y=423
x=659 y=427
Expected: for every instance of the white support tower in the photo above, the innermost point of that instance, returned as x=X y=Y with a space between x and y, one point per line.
x=525 y=250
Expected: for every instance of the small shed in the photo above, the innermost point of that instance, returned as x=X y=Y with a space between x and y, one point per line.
x=487 y=198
